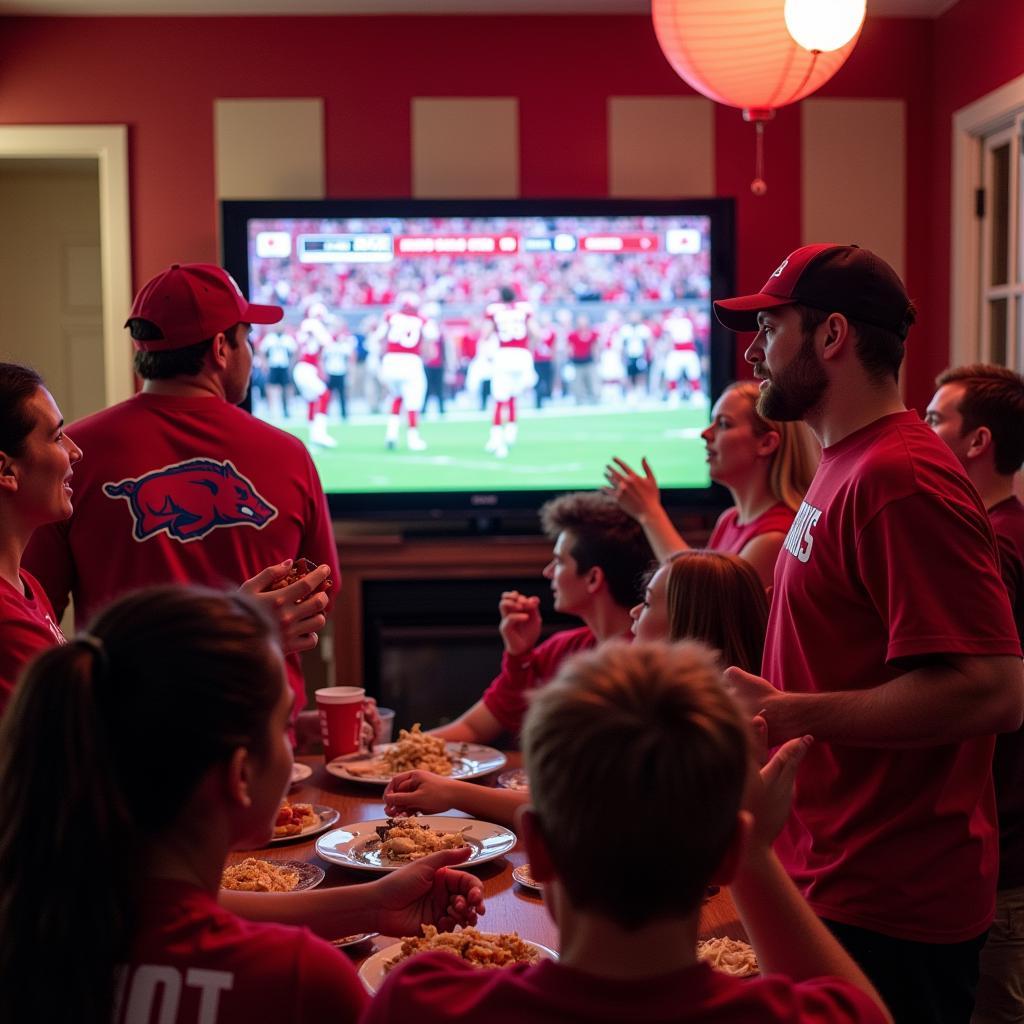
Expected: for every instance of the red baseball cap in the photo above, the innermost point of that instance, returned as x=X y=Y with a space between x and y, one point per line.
x=191 y=302
x=834 y=278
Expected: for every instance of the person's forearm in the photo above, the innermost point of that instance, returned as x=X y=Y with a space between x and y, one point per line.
x=785 y=933
x=927 y=706
x=487 y=804
x=455 y=732
x=663 y=537
x=331 y=913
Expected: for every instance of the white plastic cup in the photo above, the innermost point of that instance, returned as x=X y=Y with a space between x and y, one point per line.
x=341 y=719
x=386 y=728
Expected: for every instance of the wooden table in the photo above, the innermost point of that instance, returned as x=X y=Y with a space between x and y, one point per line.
x=510 y=906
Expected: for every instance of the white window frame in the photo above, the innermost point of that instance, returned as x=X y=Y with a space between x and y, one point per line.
x=1001 y=111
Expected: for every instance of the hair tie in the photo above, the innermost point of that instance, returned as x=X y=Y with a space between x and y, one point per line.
x=95 y=646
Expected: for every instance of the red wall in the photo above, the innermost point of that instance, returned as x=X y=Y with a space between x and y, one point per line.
x=160 y=76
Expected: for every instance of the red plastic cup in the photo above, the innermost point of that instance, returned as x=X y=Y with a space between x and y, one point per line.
x=341 y=719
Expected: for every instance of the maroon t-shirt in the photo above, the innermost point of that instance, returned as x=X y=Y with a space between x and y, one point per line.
x=27 y=626
x=731 y=536
x=506 y=697
x=182 y=490
x=1008 y=766
x=436 y=988
x=193 y=961
x=890 y=558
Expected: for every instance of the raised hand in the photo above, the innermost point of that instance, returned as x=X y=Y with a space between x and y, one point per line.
x=299 y=608
x=520 y=621
x=636 y=495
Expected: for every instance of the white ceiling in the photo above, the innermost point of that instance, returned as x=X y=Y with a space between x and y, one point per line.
x=897 y=8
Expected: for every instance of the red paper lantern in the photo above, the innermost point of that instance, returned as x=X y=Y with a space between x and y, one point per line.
x=739 y=52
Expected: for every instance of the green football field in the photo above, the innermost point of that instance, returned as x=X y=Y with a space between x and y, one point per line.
x=556 y=449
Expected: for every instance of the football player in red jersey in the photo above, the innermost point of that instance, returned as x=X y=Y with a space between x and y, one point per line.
x=402 y=334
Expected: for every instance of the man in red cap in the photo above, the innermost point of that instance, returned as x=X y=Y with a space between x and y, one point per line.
x=890 y=640
x=181 y=485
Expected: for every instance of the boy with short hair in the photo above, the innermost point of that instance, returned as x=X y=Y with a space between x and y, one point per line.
x=648 y=729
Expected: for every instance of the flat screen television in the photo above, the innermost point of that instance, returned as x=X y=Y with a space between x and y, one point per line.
x=584 y=327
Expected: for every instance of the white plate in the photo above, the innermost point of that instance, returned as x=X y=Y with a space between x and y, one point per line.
x=515 y=779
x=372 y=973
x=300 y=772
x=523 y=877
x=310 y=875
x=348 y=845
x=328 y=816
x=470 y=762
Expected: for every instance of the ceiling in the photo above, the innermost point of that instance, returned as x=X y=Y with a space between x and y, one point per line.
x=893 y=8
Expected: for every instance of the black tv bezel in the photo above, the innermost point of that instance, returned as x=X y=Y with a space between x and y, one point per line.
x=510 y=511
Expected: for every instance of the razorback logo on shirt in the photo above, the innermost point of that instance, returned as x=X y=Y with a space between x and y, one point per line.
x=799 y=540
x=189 y=499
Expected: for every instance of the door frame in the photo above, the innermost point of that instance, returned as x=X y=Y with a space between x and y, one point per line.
x=108 y=145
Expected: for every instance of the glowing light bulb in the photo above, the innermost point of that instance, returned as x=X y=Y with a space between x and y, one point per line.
x=824 y=25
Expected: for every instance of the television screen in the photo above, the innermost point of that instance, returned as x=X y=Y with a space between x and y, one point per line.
x=439 y=355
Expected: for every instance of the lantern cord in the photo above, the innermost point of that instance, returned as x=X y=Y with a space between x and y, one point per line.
x=759 y=151
x=815 y=54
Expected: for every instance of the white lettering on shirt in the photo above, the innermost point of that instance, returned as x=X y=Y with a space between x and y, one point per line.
x=154 y=987
x=799 y=540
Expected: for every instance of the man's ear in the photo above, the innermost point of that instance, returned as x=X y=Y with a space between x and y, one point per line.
x=595 y=578
x=981 y=442
x=734 y=853
x=835 y=336
x=528 y=826
x=219 y=349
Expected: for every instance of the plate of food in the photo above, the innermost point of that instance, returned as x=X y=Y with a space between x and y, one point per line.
x=300 y=821
x=255 y=875
x=523 y=877
x=417 y=749
x=515 y=779
x=731 y=956
x=300 y=772
x=386 y=844
x=485 y=950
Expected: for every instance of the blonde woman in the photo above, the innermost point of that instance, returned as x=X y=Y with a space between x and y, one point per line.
x=766 y=465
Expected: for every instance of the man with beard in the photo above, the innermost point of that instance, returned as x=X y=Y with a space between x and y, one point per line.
x=892 y=835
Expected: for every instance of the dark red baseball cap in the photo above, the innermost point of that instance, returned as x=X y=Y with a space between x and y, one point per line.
x=834 y=278
x=191 y=302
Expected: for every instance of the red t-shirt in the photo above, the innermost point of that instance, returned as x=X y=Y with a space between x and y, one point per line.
x=194 y=962
x=581 y=345
x=732 y=537
x=181 y=490
x=27 y=626
x=890 y=557
x=1007 y=520
x=506 y=697
x=433 y=988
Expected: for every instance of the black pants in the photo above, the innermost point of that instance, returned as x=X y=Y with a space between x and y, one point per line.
x=544 y=381
x=921 y=982
x=435 y=387
x=336 y=383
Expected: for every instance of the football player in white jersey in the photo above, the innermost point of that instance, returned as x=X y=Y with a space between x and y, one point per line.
x=513 y=324
x=682 y=360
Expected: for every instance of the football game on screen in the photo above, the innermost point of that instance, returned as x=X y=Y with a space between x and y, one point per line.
x=485 y=353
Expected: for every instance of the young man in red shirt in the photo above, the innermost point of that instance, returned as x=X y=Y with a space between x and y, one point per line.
x=979 y=412
x=646 y=731
x=890 y=640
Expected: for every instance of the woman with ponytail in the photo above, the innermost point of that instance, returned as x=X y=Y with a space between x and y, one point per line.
x=132 y=759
